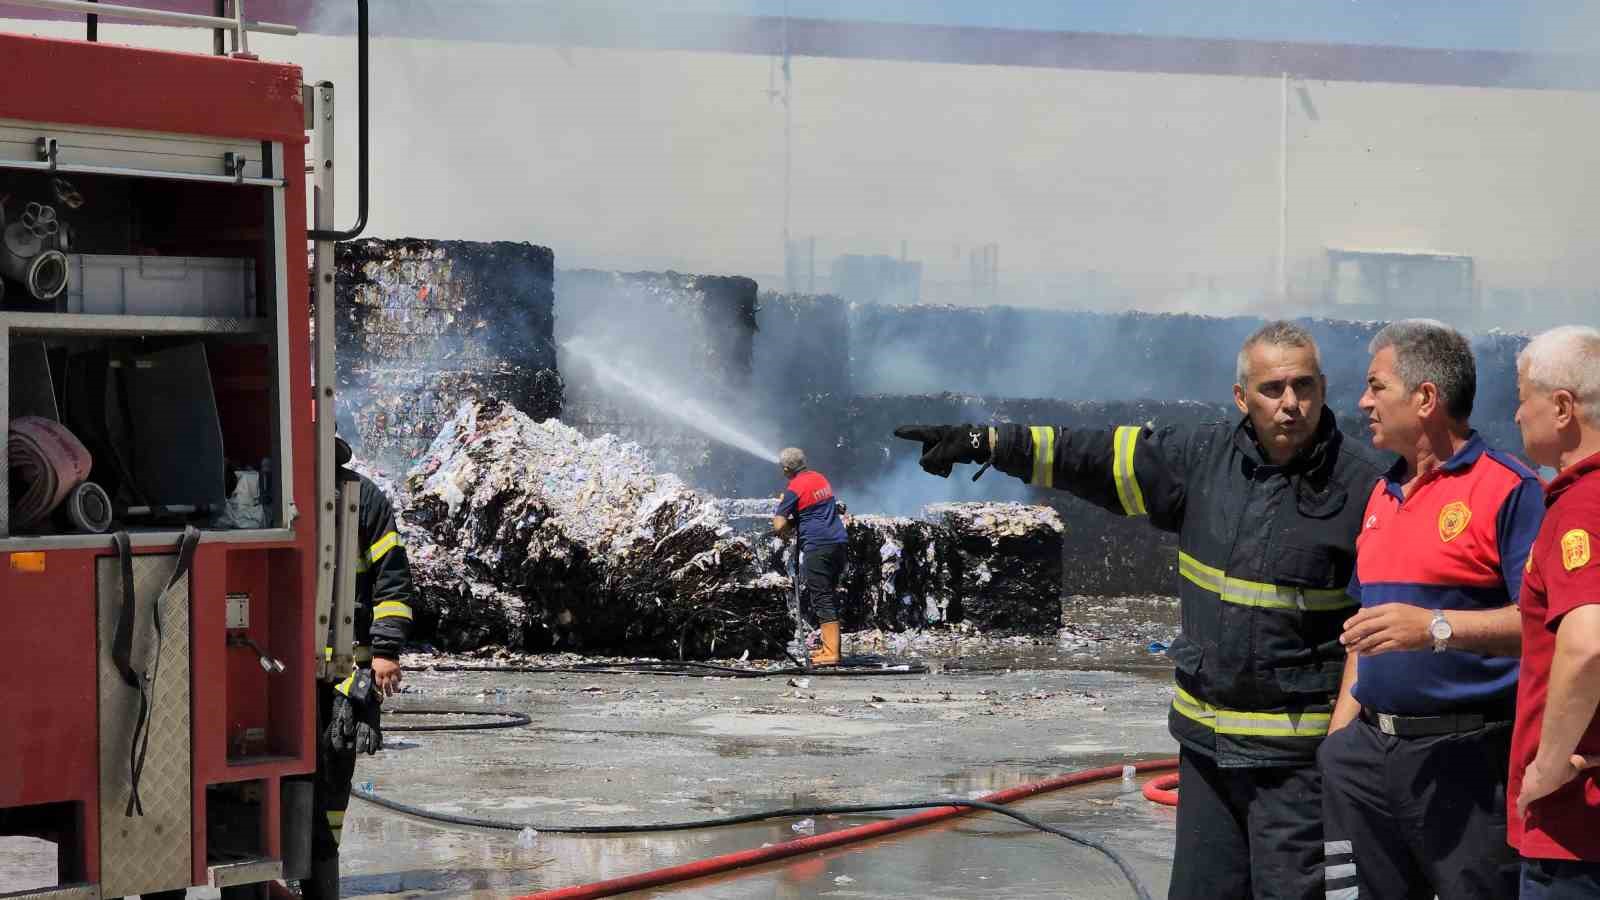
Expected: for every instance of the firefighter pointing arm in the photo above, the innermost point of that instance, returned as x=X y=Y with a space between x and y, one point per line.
x=1266 y=508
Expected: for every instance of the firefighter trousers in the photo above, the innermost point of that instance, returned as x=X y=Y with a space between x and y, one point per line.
x=1415 y=817
x=1247 y=833
x=331 y=789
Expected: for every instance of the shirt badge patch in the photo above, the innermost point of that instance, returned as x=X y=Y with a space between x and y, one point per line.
x=1575 y=549
x=1453 y=520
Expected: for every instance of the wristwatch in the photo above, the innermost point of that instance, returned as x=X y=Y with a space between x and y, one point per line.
x=1440 y=630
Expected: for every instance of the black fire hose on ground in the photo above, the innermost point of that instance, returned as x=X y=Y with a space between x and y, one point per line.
x=506 y=719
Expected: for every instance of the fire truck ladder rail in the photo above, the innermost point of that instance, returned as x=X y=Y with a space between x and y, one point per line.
x=158 y=16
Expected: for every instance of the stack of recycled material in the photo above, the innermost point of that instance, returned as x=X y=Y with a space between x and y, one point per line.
x=1005 y=563
x=897 y=580
x=579 y=543
x=424 y=325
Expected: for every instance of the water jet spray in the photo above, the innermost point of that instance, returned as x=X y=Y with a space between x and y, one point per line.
x=670 y=400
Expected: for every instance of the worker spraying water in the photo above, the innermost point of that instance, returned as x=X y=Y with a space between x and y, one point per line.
x=809 y=506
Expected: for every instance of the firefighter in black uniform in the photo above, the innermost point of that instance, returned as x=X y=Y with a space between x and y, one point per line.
x=347 y=712
x=1266 y=510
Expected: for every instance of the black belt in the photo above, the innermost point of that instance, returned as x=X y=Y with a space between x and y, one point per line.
x=1423 y=726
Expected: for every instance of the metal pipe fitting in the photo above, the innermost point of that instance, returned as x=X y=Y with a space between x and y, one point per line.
x=24 y=259
x=89 y=508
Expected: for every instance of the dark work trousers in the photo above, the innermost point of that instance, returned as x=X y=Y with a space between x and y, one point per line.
x=1420 y=816
x=1247 y=833
x=823 y=567
x=1560 y=879
x=330 y=794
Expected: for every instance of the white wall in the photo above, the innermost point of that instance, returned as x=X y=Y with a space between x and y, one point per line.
x=1168 y=185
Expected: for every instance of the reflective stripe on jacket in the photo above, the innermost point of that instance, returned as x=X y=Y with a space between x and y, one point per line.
x=385 y=598
x=1265 y=555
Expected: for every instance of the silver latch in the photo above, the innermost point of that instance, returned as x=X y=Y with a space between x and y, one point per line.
x=234 y=164
x=1386 y=723
x=47 y=150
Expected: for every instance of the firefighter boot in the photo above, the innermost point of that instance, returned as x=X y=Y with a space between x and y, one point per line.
x=828 y=653
x=324 y=881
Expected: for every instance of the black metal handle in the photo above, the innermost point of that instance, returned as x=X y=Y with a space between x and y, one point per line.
x=354 y=231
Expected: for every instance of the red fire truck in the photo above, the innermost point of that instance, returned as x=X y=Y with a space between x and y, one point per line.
x=170 y=541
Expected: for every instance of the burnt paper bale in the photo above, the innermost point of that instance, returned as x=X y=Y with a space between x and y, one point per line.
x=802 y=347
x=695 y=330
x=600 y=550
x=445 y=302
x=1005 y=564
x=396 y=416
x=423 y=325
x=895 y=579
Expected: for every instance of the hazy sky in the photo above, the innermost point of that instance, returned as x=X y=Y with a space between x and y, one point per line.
x=1451 y=24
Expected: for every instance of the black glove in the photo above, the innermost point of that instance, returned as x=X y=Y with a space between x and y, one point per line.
x=354 y=724
x=945 y=445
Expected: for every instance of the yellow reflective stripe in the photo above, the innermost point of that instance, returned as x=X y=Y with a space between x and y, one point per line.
x=1250 y=724
x=1124 y=439
x=336 y=818
x=382 y=546
x=391 y=609
x=1194 y=709
x=344 y=686
x=362 y=655
x=1260 y=594
x=1044 y=456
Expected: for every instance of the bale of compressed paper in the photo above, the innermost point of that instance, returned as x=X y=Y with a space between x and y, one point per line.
x=1005 y=564
x=895 y=580
x=600 y=551
x=423 y=325
x=448 y=303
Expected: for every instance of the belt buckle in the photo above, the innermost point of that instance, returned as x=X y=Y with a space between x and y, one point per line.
x=1386 y=723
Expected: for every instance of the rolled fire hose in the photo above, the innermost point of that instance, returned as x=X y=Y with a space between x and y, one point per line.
x=50 y=461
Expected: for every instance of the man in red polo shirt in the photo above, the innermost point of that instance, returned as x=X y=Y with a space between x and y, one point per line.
x=1413 y=785
x=1554 y=794
x=808 y=503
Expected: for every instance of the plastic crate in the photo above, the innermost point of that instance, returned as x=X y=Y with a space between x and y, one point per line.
x=213 y=287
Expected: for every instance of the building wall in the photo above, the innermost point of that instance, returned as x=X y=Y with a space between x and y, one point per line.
x=1101 y=188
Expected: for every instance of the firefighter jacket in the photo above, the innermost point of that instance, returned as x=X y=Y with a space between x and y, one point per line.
x=1265 y=554
x=385 y=598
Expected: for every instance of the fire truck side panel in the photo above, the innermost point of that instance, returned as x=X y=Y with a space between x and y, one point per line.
x=47 y=668
x=48 y=646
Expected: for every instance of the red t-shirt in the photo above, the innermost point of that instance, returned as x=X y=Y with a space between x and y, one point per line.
x=1563 y=574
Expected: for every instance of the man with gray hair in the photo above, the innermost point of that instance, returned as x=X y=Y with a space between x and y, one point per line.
x=1553 y=796
x=808 y=502
x=1414 y=767
x=1266 y=508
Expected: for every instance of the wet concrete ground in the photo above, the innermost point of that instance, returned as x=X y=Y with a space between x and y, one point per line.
x=606 y=749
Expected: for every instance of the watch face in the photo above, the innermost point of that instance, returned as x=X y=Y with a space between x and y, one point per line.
x=1440 y=629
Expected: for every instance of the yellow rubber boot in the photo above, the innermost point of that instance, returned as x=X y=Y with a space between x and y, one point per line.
x=828 y=653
